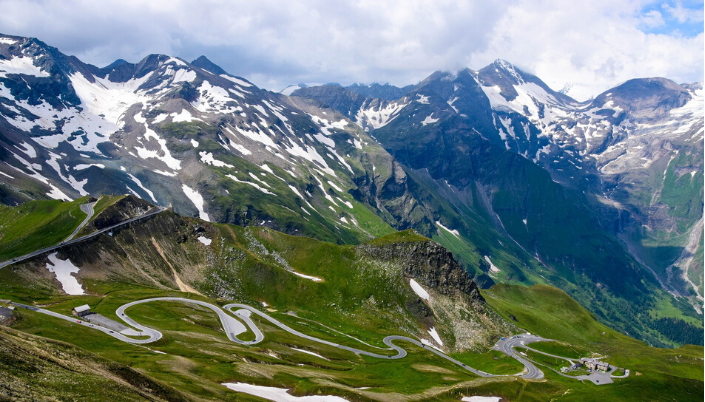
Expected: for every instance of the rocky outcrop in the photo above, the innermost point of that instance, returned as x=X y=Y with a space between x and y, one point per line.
x=429 y=263
x=339 y=98
x=126 y=208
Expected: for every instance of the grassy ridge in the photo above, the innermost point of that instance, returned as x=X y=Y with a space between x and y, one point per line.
x=37 y=224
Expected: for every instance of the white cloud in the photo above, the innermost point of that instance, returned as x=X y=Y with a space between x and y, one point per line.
x=653 y=18
x=276 y=43
x=683 y=14
x=591 y=45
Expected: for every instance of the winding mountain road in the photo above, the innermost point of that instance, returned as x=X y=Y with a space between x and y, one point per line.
x=232 y=328
x=507 y=346
x=88 y=210
x=597 y=377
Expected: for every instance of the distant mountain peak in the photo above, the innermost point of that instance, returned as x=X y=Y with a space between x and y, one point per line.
x=650 y=98
x=503 y=63
x=382 y=91
x=116 y=63
x=510 y=69
x=204 y=63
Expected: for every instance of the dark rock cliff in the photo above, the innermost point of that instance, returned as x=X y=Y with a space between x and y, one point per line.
x=429 y=263
x=126 y=208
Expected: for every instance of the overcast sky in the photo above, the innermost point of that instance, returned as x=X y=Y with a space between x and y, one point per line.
x=591 y=45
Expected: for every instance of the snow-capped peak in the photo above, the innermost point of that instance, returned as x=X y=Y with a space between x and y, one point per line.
x=510 y=69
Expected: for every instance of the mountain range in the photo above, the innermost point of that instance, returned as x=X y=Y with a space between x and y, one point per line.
x=523 y=184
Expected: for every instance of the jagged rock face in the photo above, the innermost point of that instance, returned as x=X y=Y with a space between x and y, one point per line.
x=386 y=91
x=346 y=102
x=126 y=208
x=429 y=263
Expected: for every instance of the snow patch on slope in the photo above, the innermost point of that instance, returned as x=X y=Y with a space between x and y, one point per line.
x=20 y=65
x=197 y=200
x=279 y=394
x=493 y=268
x=454 y=232
x=145 y=189
x=111 y=99
x=63 y=270
x=208 y=159
x=379 y=116
x=429 y=120
x=420 y=291
x=144 y=153
x=435 y=336
x=255 y=185
x=236 y=80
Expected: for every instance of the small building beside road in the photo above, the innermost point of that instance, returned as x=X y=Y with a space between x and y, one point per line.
x=81 y=311
x=594 y=364
x=604 y=366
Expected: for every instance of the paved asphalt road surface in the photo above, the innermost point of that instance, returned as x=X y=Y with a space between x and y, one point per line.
x=233 y=328
x=387 y=341
x=88 y=210
x=80 y=239
x=79 y=321
x=507 y=346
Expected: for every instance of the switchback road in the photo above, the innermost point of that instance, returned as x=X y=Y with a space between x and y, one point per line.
x=232 y=328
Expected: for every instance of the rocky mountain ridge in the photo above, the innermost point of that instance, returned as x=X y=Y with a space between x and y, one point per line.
x=462 y=158
x=621 y=149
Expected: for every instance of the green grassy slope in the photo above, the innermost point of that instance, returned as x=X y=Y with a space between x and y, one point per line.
x=37 y=224
x=39 y=369
x=368 y=283
x=657 y=374
x=199 y=357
